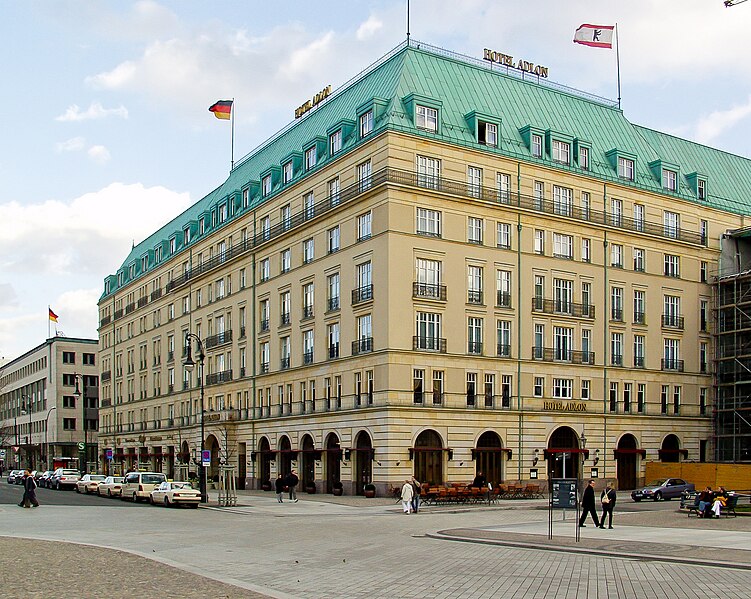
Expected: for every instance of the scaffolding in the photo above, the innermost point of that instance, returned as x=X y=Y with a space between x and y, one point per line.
x=732 y=307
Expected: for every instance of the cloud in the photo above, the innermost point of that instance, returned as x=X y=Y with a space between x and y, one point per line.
x=95 y=111
x=369 y=28
x=716 y=123
x=121 y=75
x=74 y=144
x=8 y=296
x=99 y=154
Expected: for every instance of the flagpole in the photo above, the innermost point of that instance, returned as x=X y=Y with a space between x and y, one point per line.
x=232 y=138
x=48 y=320
x=408 y=22
x=618 y=63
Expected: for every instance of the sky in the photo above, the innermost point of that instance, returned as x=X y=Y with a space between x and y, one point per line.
x=106 y=136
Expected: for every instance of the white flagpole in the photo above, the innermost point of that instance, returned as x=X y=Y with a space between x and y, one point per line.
x=618 y=64
x=48 y=320
x=232 y=136
x=408 y=22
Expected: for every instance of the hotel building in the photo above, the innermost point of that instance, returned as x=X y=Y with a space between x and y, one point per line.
x=444 y=266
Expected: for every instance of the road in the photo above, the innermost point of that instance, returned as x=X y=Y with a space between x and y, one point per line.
x=318 y=549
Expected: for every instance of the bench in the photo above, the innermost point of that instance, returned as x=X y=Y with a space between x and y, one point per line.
x=726 y=510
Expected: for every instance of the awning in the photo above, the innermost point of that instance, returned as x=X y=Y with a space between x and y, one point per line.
x=629 y=451
x=550 y=452
x=364 y=450
x=683 y=452
x=413 y=450
x=506 y=450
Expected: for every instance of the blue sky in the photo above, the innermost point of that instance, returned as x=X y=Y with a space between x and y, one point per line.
x=106 y=133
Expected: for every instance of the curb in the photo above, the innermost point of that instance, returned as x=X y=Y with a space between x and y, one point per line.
x=441 y=535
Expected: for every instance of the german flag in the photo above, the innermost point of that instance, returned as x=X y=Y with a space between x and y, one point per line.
x=222 y=109
x=53 y=316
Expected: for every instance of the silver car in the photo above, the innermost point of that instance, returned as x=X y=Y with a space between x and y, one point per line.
x=666 y=488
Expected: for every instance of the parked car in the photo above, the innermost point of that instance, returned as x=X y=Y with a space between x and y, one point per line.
x=13 y=475
x=175 y=493
x=18 y=480
x=666 y=488
x=139 y=485
x=89 y=483
x=112 y=486
x=64 y=477
x=45 y=478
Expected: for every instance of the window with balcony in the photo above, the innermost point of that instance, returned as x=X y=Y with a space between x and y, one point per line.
x=332 y=334
x=333 y=291
x=638 y=351
x=616 y=349
x=563 y=200
x=307 y=347
x=428 y=332
x=503 y=288
x=474 y=335
x=334 y=190
x=364 y=281
x=428 y=279
x=616 y=304
x=284 y=308
x=503 y=181
x=639 y=306
x=428 y=172
x=503 y=330
x=474 y=285
x=307 y=301
x=671 y=224
x=474 y=181
x=364 y=176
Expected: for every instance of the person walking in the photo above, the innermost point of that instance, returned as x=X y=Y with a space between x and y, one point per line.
x=29 y=490
x=416 y=489
x=292 y=481
x=408 y=492
x=607 y=499
x=588 y=504
x=279 y=487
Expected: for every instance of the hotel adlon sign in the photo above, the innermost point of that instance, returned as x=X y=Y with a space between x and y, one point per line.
x=521 y=65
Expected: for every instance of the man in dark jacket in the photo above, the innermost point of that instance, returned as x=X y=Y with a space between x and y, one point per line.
x=607 y=498
x=29 y=490
x=279 y=487
x=588 y=504
x=292 y=481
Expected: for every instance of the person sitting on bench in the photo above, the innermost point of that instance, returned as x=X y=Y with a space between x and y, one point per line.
x=720 y=501
x=704 y=501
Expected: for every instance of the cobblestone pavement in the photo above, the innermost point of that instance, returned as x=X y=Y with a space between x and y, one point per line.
x=316 y=549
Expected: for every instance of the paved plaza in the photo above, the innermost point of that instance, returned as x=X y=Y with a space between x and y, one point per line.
x=359 y=548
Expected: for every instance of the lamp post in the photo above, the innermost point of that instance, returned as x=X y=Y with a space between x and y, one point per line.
x=27 y=438
x=581 y=462
x=46 y=444
x=189 y=364
x=15 y=430
x=82 y=396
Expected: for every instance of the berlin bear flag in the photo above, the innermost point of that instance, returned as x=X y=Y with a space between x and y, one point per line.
x=599 y=36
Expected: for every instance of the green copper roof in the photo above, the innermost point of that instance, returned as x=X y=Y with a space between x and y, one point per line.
x=458 y=86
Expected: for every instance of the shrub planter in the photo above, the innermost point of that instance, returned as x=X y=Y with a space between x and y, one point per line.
x=337 y=489
x=369 y=491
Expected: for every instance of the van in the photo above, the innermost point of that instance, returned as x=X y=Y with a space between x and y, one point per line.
x=139 y=485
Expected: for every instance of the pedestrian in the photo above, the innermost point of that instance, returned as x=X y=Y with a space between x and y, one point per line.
x=408 y=492
x=279 y=487
x=292 y=481
x=416 y=489
x=607 y=499
x=479 y=480
x=588 y=504
x=29 y=490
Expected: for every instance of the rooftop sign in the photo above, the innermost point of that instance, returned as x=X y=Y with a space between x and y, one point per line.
x=314 y=101
x=521 y=65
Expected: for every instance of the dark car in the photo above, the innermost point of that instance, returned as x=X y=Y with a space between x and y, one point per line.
x=665 y=488
x=14 y=476
x=45 y=478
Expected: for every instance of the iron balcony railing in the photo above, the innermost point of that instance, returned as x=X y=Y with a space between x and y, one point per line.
x=429 y=344
x=307 y=357
x=554 y=354
x=333 y=303
x=616 y=314
x=362 y=346
x=549 y=306
x=640 y=317
x=284 y=363
x=307 y=312
x=362 y=294
x=474 y=347
x=284 y=319
x=504 y=350
x=503 y=299
x=672 y=320
x=333 y=351
x=474 y=296
x=265 y=325
x=429 y=290
x=671 y=364
x=218 y=339
x=225 y=376
x=264 y=367
x=638 y=361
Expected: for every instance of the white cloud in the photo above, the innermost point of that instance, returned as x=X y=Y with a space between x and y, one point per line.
x=117 y=77
x=95 y=111
x=74 y=144
x=99 y=154
x=716 y=123
x=369 y=28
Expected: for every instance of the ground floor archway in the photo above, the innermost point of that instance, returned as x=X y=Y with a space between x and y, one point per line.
x=626 y=462
x=363 y=461
x=490 y=457
x=564 y=454
x=333 y=462
x=428 y=458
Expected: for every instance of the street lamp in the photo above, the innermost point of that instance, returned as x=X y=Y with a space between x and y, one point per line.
x=189 y=364
x=46 y=444
x=15 y=429
x=82 y=396
x=27 y=438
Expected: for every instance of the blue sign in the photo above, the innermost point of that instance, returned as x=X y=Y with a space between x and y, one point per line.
x=108 y=454
x=206 y=457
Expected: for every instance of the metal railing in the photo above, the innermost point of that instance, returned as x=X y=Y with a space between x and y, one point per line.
x=429 y=344
x=553 y=354
x=429 y=290
x=549 y=306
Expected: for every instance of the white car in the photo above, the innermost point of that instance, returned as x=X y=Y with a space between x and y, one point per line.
x=89 y=483
x=112 y=486
x=175 y=493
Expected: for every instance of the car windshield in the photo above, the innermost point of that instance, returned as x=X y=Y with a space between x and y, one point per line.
x=69 y=472
x=97 y=477
x=657 y=483
x=117 y=479
x=181 y=486
x=152 y=479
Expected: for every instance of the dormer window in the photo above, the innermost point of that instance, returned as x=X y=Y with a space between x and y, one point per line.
x=536 y=145
x=426 y=118
x=157 y=254
x=561 y=152
x=132 y=271
x=701 y=189
x=144 y=263
x=626 y=168
x=266 y=185
x=310 y=158
x=246 y=197
x=287 y=172
x=487 y=133
x=201 y=228
x=120 y=278
x=584 y=158
x=172 y=245
x=335 y=142
x=669 y=180
x=366 y=123
x=186 y=236
x=222 y=213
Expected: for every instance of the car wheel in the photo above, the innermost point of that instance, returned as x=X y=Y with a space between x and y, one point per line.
x=194 y=506
x=166 y=502
x=57 y=486
x=637 y=500
x=658 y=496
x=135 y=498
x=109 y=494
x=78 y=490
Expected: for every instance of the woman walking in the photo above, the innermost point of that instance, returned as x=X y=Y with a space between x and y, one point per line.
x=408 y=492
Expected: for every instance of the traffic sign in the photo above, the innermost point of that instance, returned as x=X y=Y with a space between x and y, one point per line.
x=108 y=454
x=206 y=457
x=81 y=446
x=2 y=454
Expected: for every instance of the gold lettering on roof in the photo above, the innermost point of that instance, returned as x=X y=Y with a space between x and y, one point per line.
x=507 y=60
x=313 y=102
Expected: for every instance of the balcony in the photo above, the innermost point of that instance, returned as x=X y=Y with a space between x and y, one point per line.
x=616 y=314
x=672 y=321
x=142 y=301
x=638 y=361
x=640 y=318
x=130 y=307
x=106 y=375
x=284 y=319
x=264 y=367
x=307 y=312
x=333 y=351
x=551 y=354
x=307 y=357
x=284 y=363
x=429 y=344
x=429 y=291
x=242 y=332
x=362 y=294
x=333 y=304
x=156 y=294
x=362 y=346
x=474 y=347
x=265 y=325
x=671 y=364
x=474 y=296
x=616 y=360
x=503 y=299
x=225 y=376
x=549 y=306
x=170 y=356
x=503 y=350
x=218 y=339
